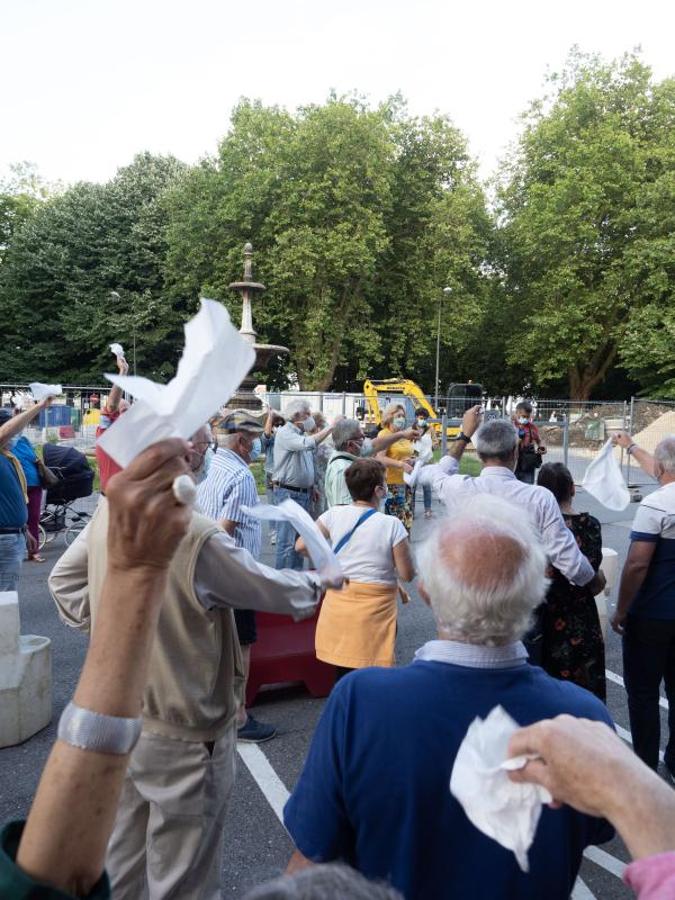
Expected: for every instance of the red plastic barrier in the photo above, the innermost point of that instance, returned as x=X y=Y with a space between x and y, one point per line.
x=283 y=653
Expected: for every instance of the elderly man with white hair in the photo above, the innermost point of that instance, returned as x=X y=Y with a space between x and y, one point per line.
x=293 y=474
x=374 y=790
x=496 y=443
x=645 y=613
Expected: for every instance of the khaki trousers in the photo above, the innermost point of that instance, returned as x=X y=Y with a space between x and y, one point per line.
x=168 y=835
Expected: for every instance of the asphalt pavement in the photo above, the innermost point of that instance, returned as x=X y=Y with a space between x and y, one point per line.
x=257 y=847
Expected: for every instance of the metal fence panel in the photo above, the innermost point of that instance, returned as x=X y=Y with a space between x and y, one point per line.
x=649 y=421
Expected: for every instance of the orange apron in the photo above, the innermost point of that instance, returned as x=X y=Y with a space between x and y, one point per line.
x=357 y=626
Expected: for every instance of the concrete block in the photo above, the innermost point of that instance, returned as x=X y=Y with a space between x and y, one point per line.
x=25 y=677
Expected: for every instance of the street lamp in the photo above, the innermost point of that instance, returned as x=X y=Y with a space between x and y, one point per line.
x=446 y=290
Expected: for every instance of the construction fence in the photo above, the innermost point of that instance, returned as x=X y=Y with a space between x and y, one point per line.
x=573 y=431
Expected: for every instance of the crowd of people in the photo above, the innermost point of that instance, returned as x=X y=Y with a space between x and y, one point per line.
x=135 y=793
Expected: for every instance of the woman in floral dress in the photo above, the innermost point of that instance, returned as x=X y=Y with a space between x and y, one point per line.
x=574 y=649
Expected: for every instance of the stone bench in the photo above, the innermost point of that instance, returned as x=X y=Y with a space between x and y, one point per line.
x=25 y=677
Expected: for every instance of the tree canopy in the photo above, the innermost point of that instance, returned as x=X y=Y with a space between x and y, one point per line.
x=360 y=217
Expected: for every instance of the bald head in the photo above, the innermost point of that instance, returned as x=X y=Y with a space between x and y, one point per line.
x=484 y=573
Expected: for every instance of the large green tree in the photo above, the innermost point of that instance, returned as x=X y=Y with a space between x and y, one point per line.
x=64 y=262
x=586 y=207
x=358 y=216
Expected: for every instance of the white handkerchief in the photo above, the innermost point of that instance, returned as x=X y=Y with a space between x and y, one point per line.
x=604 y=479
x=40 y=391
x=117 y=349
x=501 y=809
x=425 y=451
x=325 y=561
x=215 y=360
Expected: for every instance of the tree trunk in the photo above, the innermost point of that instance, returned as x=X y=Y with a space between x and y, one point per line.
x=583 y=379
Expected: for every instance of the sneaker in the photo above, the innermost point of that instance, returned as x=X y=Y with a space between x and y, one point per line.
x=428 y=514
x=255 y=732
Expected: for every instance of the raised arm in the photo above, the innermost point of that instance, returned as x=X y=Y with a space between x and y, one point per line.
x=115 y=394
x=69 y=824
x=16 y=424
x=643 y=458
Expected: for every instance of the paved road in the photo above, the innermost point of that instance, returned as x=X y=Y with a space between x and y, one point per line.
x=257 y=845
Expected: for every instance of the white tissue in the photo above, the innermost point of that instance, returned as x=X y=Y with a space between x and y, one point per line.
x=425 y=451
x=500 y=808
x=215 y=360
x=40 y=391
x=118 y=350
x=325 y=561
x=604 y=479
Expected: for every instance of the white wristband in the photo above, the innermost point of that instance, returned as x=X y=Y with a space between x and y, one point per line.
x=96 y=732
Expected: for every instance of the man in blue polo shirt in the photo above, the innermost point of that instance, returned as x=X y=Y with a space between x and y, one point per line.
x=374 y=791
x=645 y=613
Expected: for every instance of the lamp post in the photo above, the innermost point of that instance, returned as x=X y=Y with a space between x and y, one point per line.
x=446 y=290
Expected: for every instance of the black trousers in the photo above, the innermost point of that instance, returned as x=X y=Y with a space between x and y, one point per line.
x=649 y=659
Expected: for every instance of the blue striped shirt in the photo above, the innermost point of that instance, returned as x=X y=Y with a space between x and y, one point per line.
x=229 y=486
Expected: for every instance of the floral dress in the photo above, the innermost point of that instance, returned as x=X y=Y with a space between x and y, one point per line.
x=574 y=649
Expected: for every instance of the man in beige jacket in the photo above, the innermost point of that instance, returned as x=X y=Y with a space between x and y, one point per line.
x=168 y=836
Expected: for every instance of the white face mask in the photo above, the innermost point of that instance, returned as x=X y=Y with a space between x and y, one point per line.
x=366 y=448
x=200 y=474
x=523 y=421
x=398 y=424
x=309 y=424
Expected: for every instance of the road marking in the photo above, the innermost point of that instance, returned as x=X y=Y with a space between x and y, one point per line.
x=617 y=679
x=628 y=737
x=273 y=788
x=605 y=860
x=581 y=892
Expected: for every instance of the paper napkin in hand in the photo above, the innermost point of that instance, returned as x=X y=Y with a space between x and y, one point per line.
x=425 y=451
x=118 y=350
x=320 y=551
x=500 y=808
x=40 y=391
x=605 y=481
x=215 y=360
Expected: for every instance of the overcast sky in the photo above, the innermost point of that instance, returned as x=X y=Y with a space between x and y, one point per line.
x=86 y=84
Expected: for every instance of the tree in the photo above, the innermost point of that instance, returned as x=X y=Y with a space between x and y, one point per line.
x=64 y=261
x=585 y=246
x=20 y=194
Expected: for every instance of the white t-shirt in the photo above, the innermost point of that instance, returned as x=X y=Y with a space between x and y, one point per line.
x=368 y=554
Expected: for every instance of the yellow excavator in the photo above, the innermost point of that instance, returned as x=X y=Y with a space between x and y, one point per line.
x=379 y=394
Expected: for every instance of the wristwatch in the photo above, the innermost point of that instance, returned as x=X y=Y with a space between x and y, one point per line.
x=631 y=449
x=463 y=437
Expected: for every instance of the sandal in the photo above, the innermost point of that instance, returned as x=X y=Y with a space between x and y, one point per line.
x=428 y=514
x=36 y=558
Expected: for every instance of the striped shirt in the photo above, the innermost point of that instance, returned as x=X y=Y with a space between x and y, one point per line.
x=229 y=486
x=655 y=523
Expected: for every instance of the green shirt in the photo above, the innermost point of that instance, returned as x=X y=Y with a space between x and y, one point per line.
x=16 y=884
x=336 y=486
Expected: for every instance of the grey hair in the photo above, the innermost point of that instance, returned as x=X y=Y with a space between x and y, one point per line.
x=390 y=411
x=664 y=454
x=344 y=431
x=496 y=439
x=323 y=882
x=228 y=438
x=485 y=572
x=296 y=408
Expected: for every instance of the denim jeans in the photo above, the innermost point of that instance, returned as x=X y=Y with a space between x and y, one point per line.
x=287 y=558
x=12 y=553
x=648 y=659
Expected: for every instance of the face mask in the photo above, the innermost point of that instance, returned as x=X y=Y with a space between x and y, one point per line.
x=421 y=422
x=523 y=421
x=256 y=450
x=381 y=494
x=398 y=423
x=203 y=470
x=309 y=424
x=13 y=441
x=366 y=448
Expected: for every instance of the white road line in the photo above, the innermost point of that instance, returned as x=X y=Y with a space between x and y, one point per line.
x=581 y=892
x=628 y=737
x=608 y=862
x=617 y=679
x=273 y=788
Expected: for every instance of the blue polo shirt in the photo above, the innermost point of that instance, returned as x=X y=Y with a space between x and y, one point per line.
x=374 y=791
x=13 y=509
x=655 y=523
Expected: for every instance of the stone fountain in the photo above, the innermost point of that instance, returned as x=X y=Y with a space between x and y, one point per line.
x=245 y=398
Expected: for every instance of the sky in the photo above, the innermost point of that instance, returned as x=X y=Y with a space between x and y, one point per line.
x=89 y=83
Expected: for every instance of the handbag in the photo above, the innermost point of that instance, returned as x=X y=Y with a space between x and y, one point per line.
x=47 y=477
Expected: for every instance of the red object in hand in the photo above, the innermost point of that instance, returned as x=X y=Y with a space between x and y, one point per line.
x=283 y=653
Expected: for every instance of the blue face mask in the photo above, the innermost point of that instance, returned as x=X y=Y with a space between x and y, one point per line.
x=13 y=441
x=203 y=470
x=256 y=450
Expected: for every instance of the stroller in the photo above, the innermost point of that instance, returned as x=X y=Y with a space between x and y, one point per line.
x=76 y=480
